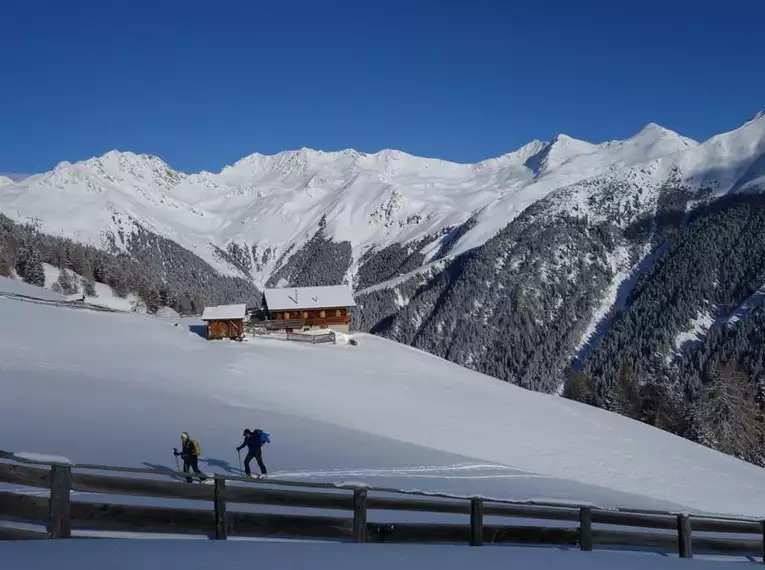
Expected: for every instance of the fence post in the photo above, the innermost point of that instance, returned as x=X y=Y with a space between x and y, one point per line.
x=60 y=503
x=221 y=530
x=684 y=544
x=360 y=515
x=585 y=529
x=476 y=522
x=763 y=541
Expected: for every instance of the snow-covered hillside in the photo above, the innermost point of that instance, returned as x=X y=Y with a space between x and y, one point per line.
x=120 y=387
x=271 y=205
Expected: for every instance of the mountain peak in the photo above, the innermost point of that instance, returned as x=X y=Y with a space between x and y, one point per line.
x=127 y=157
x=562 y=138
x=654 y=128
x=518 y=156
x=558 y=151
x=653 y=133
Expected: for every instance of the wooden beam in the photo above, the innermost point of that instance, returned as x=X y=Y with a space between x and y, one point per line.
x=27 y=507
x=532 y=512
x=177 y=520
x=585 y=529
x=60 y=502
x=652 y=540
x=221 y=528
x=684 y=543
x=289 y=498
x=11 y=533
x=712 y=545
x=418 y=505
x=702 y=524
x=360 y=515
x=88 y=483
x=666 y=521
x=101 y=516
x=24 y=475
x=461 y=533
x=476 y=522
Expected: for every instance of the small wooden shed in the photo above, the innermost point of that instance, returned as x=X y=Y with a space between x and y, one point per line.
x=225 y=321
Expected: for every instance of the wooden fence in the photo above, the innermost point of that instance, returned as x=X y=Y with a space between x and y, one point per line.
x=76 y=304
x=586 y=527
x=312 y=338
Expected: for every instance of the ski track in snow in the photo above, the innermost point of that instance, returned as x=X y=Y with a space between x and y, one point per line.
x=432 y=472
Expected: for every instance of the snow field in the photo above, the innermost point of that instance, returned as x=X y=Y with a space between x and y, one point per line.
x=121 y=387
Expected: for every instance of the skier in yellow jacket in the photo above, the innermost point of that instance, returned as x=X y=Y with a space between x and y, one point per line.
x=190 y=454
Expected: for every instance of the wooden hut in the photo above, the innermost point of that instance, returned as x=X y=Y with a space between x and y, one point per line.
x=225 y=321
x=305 y=308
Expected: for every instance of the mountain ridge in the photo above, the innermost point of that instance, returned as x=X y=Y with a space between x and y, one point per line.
x=274 y=201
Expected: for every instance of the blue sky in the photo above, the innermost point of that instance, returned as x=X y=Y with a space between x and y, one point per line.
x=202 y=83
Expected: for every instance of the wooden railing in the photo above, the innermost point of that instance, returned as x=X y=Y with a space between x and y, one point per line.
x=584 y=526
x=284 y=324
x=312 y=338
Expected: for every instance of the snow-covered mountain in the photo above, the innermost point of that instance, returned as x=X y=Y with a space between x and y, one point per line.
x=269 y=204
x=562 y=253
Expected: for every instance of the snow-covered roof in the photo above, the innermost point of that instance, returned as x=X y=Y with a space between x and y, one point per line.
x=309 y=298
x=224 y=312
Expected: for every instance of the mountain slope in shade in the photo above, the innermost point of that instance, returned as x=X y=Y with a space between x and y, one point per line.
x=546 y=286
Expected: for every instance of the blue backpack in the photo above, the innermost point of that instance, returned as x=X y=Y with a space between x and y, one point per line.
x=264 y=438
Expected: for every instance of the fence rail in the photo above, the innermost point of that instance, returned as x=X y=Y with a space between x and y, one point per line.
x=312 y=338
x=63 y=516
x=73 y=304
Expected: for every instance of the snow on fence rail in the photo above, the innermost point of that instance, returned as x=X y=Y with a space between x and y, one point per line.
x=61 y=514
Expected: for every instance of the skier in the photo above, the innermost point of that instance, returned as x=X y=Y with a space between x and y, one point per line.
x=254 y=441
x=190 y=451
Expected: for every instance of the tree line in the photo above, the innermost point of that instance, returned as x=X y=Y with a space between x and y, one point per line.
x=158 y=271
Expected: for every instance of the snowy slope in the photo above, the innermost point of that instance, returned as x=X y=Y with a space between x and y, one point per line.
x=274 y=555
x=122 y=388
x=274 y=202
x=18 y=287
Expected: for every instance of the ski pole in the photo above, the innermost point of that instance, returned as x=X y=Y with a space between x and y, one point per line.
x=177 y=464
x=239 y=453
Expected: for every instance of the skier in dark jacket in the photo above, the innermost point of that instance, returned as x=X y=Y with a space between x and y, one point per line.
x=253 y=440
x=190 y=458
